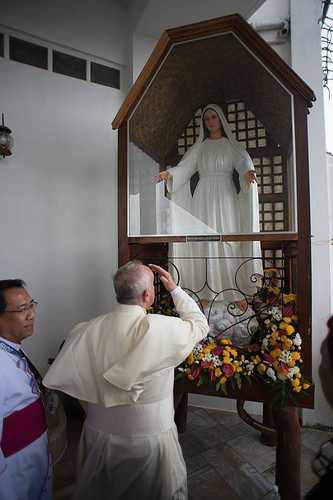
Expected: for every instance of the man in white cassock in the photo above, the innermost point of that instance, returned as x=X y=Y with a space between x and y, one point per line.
x=122 y=366
x=25 y=465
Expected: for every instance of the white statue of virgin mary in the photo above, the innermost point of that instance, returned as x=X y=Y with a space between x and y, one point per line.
x=217 y=204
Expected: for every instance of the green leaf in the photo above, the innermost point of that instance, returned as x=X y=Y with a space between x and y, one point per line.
x=238 y=380
x=224 y=388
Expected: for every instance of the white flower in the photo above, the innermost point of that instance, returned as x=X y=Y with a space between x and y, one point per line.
x=265 y=342
x=281 y=376
x=292 y=371
x=276 y=313
x=217 y=362
x=297 y=341
x=270 y=373
x=286 y=356
x=274 y=327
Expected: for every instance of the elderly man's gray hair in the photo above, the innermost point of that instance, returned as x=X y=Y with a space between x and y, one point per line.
x=130 y=281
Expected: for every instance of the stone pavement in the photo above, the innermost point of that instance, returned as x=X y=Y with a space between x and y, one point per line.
x=225 y=458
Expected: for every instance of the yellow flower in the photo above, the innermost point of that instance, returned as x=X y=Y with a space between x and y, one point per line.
x=255 y=359
x=200 y=355
x=286 y=319
x=306 y=386
x=234 y=352
x=298 y=388
x=286 y=346
x=226 y=360
x=188 y=370
x=274 y=289
x=276 y=353
x=218 y=372
x=190 y=359
x=190 y=377
x=295 y=382
x=226 y=341
x=261 y=368
x=283 y=325
x=292 y=363
x=290 y=329
x=239 y=369
x=289 y=298
x=223 y=380
x=270 y=270
x=296 y=355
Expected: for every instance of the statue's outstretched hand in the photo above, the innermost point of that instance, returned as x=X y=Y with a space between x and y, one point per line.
x=250 y=176
x=163 y=176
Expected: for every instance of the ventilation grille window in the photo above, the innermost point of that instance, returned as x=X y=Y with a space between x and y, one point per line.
x=36 y=55
x=69 y=65
x=104 y=75
x=27 y=53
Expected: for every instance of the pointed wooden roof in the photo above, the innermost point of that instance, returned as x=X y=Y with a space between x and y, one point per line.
x=215 y=61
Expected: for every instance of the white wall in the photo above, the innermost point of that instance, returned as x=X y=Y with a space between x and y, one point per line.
x=58 y=190
x=99 y=28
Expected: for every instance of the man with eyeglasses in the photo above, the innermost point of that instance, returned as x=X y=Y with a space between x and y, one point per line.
x=25 y=466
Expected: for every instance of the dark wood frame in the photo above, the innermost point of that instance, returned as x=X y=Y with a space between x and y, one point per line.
x=286 y=421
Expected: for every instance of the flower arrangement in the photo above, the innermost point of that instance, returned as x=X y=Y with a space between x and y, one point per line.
x=273 y=356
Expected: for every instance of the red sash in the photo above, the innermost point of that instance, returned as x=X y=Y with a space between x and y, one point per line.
x=23 y=427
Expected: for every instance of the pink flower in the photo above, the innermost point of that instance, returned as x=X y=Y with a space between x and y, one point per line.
x=228 y=370
x=195 y=372
x=284 y=367
x=212 y=375
x=268 y=358
x=288 y=311
x=205 y=364
x=217 y=351
x=253 y=347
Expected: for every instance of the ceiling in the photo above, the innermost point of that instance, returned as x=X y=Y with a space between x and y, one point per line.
x=152 y=17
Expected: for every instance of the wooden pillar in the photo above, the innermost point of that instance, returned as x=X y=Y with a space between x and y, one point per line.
x=288 y=453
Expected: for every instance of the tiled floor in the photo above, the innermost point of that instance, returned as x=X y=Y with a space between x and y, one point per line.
x=225 y=458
